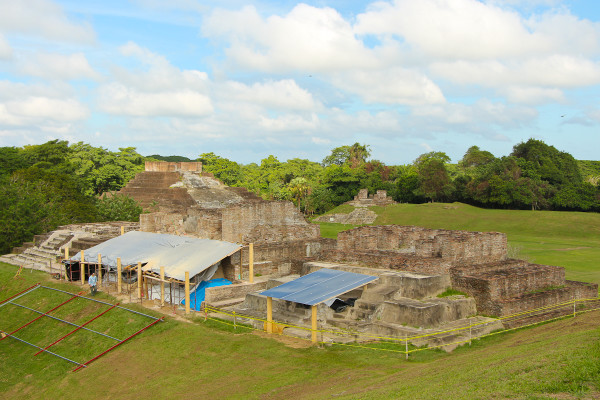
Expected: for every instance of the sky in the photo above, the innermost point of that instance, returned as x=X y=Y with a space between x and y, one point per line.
x=249 y=79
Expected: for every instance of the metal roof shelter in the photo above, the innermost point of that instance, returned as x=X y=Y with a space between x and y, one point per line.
x=319 y=286
x=313 y=289
x=177 y=254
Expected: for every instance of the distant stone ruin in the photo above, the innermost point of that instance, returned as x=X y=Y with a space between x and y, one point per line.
x=363 y=199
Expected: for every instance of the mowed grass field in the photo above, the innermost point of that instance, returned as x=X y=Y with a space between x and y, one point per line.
x=567 y=239
x=209 y=360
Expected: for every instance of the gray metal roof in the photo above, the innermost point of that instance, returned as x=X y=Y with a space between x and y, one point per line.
x=177 y=254
x=319 y=286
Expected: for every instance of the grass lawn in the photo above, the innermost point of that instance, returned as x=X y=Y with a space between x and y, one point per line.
x=194 y=359
x=567 y=239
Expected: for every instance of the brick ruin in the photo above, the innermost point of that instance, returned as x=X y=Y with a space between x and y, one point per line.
x=364 y=199
x=476 y=263
x=414 y=264
x=180 y=199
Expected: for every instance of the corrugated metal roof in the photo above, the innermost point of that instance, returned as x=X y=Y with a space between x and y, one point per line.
x=177 y=254
x=319 y=286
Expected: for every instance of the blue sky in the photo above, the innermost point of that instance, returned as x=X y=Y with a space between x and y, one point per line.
x=247 y=79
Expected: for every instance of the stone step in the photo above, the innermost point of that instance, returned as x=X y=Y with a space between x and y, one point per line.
x=427 y=314
x=379 y=293
x=227 y=302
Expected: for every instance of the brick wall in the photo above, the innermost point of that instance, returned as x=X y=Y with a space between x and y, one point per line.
x=162 y=166
x=267 y=222
x=475 y=247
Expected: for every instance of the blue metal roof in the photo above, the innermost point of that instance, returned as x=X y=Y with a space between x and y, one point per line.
x=318 y=286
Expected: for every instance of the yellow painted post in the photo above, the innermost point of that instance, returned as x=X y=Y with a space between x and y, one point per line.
x=269 y=315
x=122 y=230
x=139 y=275
x=66 y=258
x=162 y=286
x=187 y=292
x=314 y=324
x=241 y=257
x=119 y=275
x=99 y=270
x=251 y=262
x=81 y=268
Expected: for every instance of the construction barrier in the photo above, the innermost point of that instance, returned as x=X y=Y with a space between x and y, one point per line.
x=414 y=343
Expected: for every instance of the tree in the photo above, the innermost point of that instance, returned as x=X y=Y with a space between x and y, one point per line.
x=229 y=172
x=339 y=156
x=299 y=190
x=117 y=207
x=474 y=157
x=434 y=180
x=358 y=154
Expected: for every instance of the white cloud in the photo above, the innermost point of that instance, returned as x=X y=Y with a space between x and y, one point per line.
x=5 y=49
x=391 y=86
x=307 y=39
x=57 y=66
x=457 y=29
x=279 y=95
x=43 y=18
x=39 y=110
x=116 y=98
x=158 y=89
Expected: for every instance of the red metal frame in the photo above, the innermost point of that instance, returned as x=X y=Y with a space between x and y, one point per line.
x=74 y=296
x=75 y=330
x=12 y=297
x=43 y=315
x=118 y=344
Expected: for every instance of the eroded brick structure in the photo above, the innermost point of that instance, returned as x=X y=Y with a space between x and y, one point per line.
x=476 y=262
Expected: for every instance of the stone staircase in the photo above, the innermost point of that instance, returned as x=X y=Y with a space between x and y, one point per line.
x=154 y=192
x=43 y=255
x=46 y=251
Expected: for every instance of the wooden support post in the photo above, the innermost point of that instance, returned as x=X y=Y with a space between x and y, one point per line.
x=251 y=262
x=146 y=288
x=139 y=280
x=99 y=270
x=313 y=334
x=122 y=230
x=269 y=315
x=162 y=286
x=81 y=267
x=119 y=275
x=66 y=258
x=187 y=292
x=241 y=258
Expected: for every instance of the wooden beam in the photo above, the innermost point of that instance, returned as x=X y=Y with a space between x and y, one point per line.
x=187 y=292
x=99 y=270
x=269 y=315
x=162 y=286
x=119 y=275
x=139 y=279
x=313 y=333
x=81 y=268
x=251 y=262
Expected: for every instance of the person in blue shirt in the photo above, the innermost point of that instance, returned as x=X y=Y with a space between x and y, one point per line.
x=93 y=281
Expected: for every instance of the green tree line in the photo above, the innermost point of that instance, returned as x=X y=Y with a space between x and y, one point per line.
x=52 y=184
x=56 y=183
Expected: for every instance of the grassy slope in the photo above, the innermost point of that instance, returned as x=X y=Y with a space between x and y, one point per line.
x=566 y=239
x=200 y=360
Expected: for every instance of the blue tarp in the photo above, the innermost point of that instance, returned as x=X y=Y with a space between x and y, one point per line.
x=199 y=293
